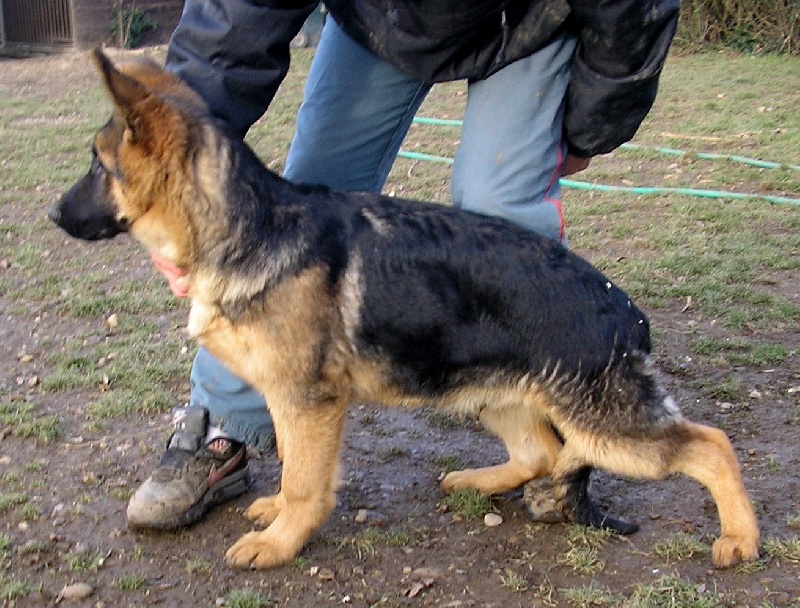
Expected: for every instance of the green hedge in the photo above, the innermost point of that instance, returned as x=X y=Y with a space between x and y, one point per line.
x=753 y=26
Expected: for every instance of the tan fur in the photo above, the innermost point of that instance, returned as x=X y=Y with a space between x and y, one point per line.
x=703 y=453
x=532 y=448
x=296 y=348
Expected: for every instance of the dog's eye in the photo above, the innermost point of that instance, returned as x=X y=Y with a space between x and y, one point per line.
x=97 y=167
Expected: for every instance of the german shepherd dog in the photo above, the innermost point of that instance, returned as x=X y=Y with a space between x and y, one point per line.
x=320 y=298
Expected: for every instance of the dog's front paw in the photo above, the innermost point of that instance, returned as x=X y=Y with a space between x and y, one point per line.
x=730 y=550
x=456 y=481
x=259 y=551
x=264 y=510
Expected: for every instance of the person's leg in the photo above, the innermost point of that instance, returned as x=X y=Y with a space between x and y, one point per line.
x=508 y=164
x=509 y=160
x=355 y=114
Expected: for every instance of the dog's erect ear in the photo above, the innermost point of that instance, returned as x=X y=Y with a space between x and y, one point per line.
x=126 y=92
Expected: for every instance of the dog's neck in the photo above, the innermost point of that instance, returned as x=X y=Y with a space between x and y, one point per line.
x=244 y=236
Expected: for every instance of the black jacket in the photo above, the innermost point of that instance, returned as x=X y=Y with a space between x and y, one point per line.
x=236 y=52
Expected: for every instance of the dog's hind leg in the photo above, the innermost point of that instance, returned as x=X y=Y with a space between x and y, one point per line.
x=532 y=449
x=575 y=502
x=707 y=456
x=311 y=436
x=703 y=453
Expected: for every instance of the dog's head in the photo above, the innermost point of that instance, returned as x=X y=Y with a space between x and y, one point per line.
x=139 y=161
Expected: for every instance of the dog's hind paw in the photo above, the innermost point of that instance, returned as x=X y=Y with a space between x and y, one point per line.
x=264 y=510
x=577 y=505
x=730 y=550
x=605 y=521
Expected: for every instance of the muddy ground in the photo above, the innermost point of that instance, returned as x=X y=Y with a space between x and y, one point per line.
x=390 y=541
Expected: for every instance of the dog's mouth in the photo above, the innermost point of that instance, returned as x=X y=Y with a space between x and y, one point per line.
x=88 y=229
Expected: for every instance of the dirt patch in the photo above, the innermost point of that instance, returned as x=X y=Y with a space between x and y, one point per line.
x=390 y=540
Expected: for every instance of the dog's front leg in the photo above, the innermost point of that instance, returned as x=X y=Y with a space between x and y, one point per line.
x=311 y=437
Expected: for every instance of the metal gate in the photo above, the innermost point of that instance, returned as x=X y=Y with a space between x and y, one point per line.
x=36 y=22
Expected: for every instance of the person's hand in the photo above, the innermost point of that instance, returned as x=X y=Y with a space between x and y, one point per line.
x=573 y=164
x=175 y=275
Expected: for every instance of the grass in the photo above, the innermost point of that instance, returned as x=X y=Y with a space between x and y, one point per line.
x=589 y=595
x=394 y=453
x=365 y=544
x=672 y=591
x=84 y=562
x=469 y=504
x=24 y=420
x=680 y=546
x=10 y=501
x=448 y=462
x=130 y=582
x=582 y=557
x=514 y=582
x=443 y=421
x=741 y=352
x=12 y=588
x=199 y=566
x=787 y=549
x=581 y=560
x=247 y=598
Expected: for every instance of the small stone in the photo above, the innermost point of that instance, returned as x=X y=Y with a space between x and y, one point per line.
x=426 y=574
x=220 y=601
x=492 y=520
x=361 y=516
x=76 y=591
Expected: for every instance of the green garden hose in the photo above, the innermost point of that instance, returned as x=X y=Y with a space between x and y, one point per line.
x=568 y=183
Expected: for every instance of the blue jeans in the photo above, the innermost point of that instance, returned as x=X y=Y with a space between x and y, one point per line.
x=355 y=113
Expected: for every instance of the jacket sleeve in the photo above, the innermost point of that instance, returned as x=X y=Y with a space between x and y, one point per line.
x=235 y=53
x=622 y=46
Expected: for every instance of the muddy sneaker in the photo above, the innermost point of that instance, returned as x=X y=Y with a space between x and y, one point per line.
x=540 y=502
x=193 y=476
x=578 y=505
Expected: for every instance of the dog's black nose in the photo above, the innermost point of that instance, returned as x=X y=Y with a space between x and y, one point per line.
x=54 y=213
